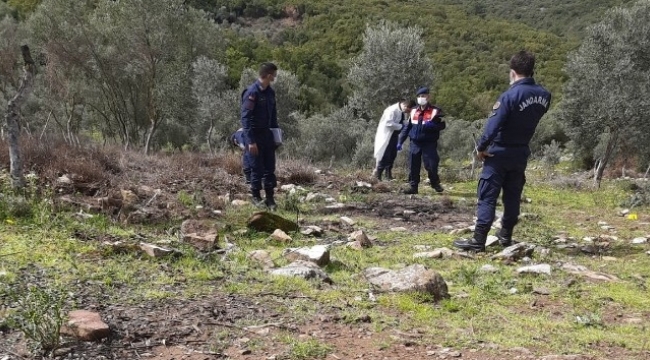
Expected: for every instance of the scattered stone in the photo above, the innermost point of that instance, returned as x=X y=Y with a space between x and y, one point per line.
x=544 y=252
x=129 y=198
x=302 y=269
x=541 y=291
x=312 y=230
x=239 y=203
x=347 y=221
x=435 y=254
x=584 y=272
x=155 y=251
x=633 y=321
x=263 y=257
x=330 y=200
x=512 y=291
x=86 y=326
x=287 y=187
x=544 y=269
x=624 y=212
x=264 y=221
x=315 y=197
x=526 y=260
x=399 y=229
x=515 y=252
x=408 y=212
x=639 y=240
x=421 y=247
x=360 y=237
x=463 y=231
x=319 y=254
x=609 y=258
x=201 y=234
x=488 y=268
x=363 y=184
x=411 y=278
x=602 y=223
x=491 y=240
x=281 y=236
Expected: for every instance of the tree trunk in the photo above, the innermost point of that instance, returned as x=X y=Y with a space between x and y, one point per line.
x=12 y=117
x=150 y=132
x=209 y=138
x=602 y=162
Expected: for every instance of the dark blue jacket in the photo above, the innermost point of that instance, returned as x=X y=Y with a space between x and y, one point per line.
x=514 y=118
x=424 y=126
x=258 y=113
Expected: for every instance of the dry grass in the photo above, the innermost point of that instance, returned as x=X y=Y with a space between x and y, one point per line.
x=294 y=171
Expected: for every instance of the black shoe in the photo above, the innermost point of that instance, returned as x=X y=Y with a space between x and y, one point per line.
x=437 y=188
x=258 y=201
x=469 y=245
x=411 y=191
x=389 y=174
x=505 y=237
x=270 y=200
x=377 y=173
x=271 y=204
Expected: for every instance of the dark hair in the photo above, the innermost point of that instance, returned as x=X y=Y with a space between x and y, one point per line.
x=523 y=63
x=409 y=102
x=267 y=68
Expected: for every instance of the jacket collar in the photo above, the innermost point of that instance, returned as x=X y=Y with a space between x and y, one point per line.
x=524 y=81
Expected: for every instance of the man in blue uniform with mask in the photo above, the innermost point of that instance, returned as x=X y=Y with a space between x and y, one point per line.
x=237 y=139
x=424 y=130
x=504 y=150
x=258 y=118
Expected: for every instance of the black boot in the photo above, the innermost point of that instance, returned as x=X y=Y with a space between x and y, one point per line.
x=437 y=188
x=505 y=237
x=389 y=173
x=476 y=244
x=378 y=173
x=257 y=198
x=411 y=191
x=270 y=200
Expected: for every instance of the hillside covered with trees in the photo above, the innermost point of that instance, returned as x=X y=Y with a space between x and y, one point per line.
x=163 y=74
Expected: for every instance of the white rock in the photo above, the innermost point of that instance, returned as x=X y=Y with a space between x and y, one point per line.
x=399 y=229
x=535 y=269
x=491 y=240
x=238 y=202
x=303 y=269
x=346 y=220
x=155 y=251
x=319 y=254
x=488 y=268
x=287 y=187
x=280 y=235
x=639 y=240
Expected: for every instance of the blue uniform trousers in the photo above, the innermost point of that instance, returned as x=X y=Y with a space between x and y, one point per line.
x=509 y=174
x=262 y=166
x=427 y=153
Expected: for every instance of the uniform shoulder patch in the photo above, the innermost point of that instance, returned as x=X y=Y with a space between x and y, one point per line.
x=496 y=105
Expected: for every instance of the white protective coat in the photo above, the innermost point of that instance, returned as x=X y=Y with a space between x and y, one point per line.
x=388 y=123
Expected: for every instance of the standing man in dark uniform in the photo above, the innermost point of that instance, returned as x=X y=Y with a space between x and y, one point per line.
x=258 y=117
x=424 y=130
x=504 y=150
x=237 y=139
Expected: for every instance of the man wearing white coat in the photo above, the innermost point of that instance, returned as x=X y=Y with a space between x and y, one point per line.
x=387 y=136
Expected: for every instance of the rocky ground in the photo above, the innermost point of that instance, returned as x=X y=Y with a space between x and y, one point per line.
x=347 y=269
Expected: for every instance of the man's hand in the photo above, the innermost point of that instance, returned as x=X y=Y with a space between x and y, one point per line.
x=399 y=147
x=482 y=155
x=252 y=148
